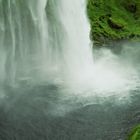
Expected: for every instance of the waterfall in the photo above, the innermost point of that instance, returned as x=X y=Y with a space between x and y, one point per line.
x=44 y=41
x=69 y=30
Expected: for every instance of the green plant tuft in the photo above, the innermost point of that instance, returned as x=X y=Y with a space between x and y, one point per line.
x=135 y=134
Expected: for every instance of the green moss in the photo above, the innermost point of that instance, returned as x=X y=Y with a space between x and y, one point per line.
x=135 y=134
x=114 y=19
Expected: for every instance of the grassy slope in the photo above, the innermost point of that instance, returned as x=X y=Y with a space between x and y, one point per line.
x=114 y=19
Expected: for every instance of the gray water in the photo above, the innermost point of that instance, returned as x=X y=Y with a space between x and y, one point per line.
x=52 y=87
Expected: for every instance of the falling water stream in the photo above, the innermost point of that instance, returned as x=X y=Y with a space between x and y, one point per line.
x=52 y=87
x=45 y=40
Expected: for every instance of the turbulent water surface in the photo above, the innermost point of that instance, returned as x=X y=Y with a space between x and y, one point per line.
x=51 y=86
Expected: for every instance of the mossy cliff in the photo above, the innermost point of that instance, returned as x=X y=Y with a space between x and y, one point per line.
x=113 y=20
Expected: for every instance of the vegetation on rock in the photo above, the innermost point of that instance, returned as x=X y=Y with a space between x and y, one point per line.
x=135 y=134
x=113 y=20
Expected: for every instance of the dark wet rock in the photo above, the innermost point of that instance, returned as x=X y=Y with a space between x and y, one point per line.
x=132 y=7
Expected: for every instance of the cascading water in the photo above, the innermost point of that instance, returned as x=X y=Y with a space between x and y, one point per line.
x=22 y=43
x=48 y=41
x=69 y=29
x=45 y=41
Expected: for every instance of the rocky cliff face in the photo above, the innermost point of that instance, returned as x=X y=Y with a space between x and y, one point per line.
x=114 y=20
